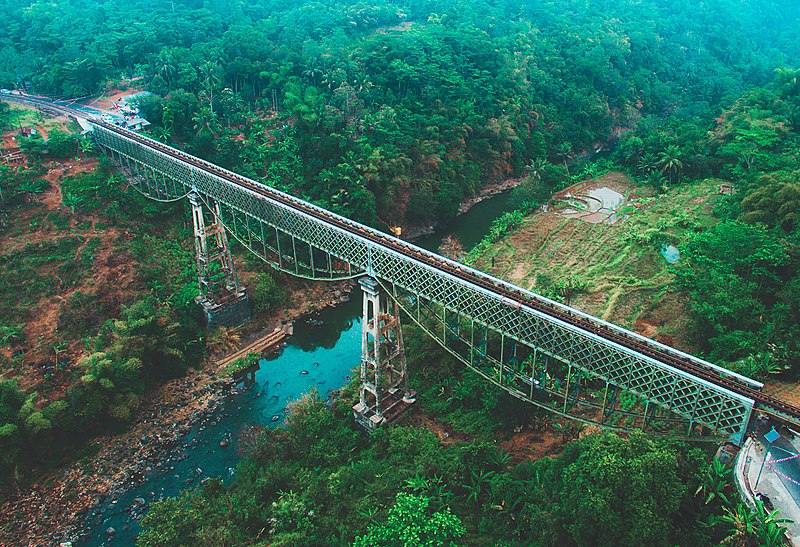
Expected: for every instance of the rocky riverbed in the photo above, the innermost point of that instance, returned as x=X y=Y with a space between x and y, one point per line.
x=58 y=507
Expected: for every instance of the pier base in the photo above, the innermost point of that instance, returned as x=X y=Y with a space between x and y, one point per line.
x=231 y=313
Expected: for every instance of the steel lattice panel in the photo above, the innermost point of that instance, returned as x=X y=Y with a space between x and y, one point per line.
x=692 y=398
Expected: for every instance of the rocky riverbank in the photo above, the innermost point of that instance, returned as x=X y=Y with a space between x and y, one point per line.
x=59 y=506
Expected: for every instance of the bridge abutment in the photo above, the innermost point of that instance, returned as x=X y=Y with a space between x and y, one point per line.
x=384 y=394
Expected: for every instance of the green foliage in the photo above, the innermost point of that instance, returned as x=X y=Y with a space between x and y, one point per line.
x=410 y=523
x=395 y=112
x=731 y=272
x=538 y=186
x=242 y=363
x=715 y=484
x=5 y=116
x=33 y=147
x=142 y=347
x=500 y=227
x=746 y=526
x=774 y=202
x=154 y=337
x=265 y=294
x=62 y=145
x=110 y=390
x=33 y=267
x=622 y=492
x=178 y=519
x=316 y=480
x=169 y=267
x=102 y=192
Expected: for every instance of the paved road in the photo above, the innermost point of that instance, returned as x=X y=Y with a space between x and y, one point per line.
x=783 y=492
x=780 y=449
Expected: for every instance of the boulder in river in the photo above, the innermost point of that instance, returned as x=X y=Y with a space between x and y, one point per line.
x=110 y=531
x=224 y=442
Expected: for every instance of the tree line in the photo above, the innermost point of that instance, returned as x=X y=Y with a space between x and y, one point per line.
x=388 y=112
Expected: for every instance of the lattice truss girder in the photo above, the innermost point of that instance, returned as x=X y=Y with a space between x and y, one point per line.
x=255 y=220
x=260 y=225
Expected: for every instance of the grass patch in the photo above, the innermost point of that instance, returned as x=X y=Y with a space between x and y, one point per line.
x=621 y=272
x=36 y=271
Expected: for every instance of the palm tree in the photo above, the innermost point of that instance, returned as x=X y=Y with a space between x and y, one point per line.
x=210 y=77
x=205 y=122
x=789 y=80
x=8 y=334
x=656 y=180
x=670 y=161
x=478 y=486
x=72 y=201
x=536 y=168
x=86 y=145
x=741 y=523
x=752 y=527
x=715 y=482
x=223 y=339
x=769 y=531
x=361 y=82
x=417 y=483
x=166 y=66
x=32 y=189
x=565 y=153
x=647 y=164
x=313 y=72
x=760 y=365
x=161 y=133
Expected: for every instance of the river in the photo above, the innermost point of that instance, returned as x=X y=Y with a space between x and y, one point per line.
x=318 y=355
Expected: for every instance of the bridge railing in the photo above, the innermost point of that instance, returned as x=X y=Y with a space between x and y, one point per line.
x=260 y=217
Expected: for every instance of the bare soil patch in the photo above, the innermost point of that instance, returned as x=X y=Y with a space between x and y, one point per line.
x=111 y=277
x=529 y=445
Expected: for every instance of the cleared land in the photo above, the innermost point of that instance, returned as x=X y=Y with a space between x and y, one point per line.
x=621 y=274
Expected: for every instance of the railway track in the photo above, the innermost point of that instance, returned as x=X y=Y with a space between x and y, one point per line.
x=779 y=409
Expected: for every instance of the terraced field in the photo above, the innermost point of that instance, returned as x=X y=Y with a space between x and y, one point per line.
x=614 y=271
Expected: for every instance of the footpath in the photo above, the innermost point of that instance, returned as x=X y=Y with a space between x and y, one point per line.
x=261 y=346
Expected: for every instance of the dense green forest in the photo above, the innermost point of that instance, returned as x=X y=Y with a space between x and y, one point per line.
x=318 y=480
x=392 y=113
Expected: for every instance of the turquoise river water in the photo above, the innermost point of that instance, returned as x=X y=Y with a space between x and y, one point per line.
x=321 y=356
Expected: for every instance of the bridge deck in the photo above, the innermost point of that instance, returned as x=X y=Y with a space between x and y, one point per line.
x=266 y=221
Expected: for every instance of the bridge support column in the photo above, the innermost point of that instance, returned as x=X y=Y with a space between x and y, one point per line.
x=384 y=393
x=222 y=297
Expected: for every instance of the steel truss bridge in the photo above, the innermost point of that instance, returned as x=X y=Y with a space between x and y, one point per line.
x=543 y=352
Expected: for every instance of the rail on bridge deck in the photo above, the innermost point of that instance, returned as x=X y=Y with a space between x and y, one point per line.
x=538 y=350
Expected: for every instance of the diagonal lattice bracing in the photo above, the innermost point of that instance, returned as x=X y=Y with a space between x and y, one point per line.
x=291 y=239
